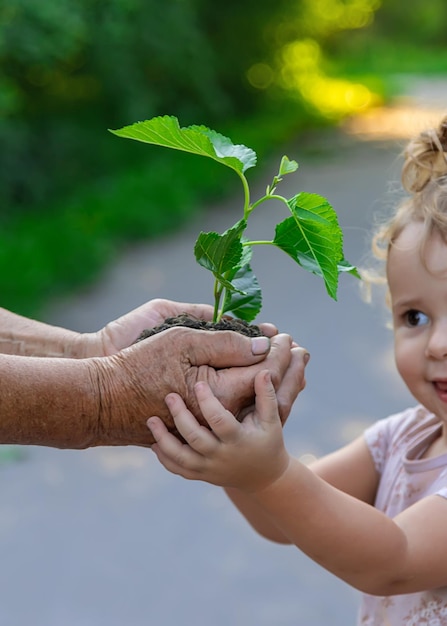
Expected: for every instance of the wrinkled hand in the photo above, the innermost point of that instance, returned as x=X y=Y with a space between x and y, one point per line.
x=122 y=332
x=247 y=455
x=133 y=383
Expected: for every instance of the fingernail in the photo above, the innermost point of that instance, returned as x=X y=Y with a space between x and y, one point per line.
x=260 y=345
x=306 y=358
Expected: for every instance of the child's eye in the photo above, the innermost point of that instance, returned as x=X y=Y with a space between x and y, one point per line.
x=415 y=318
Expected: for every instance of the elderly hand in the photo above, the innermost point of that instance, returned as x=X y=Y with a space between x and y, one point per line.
x=133 y=383
x=122 y=332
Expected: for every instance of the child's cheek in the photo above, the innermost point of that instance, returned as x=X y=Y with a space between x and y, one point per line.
x=409 y=360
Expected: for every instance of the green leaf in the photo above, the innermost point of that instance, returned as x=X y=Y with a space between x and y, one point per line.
x=220 y=253
x=345 y=266
x=224 y=147
x=313 y=238
x=247 y=253
x=245 y=301
x=287 y=166
x=166 y=131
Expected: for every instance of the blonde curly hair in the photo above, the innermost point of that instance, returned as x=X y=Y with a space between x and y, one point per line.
x=424 y=179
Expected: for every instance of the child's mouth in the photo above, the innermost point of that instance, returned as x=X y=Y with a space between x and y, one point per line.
x=441 y=389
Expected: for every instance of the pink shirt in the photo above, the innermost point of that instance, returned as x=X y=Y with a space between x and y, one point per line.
x=396 y=444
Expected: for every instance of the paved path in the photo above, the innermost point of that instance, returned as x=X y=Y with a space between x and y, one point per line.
x=105 y=537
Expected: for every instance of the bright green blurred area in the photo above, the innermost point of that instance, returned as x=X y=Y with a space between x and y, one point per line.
x=71 y=193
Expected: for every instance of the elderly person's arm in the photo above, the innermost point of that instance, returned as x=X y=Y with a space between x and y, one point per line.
x=78 y=403
x=27 y=337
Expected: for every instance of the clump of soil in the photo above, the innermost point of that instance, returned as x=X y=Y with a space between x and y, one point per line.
x=251 y=330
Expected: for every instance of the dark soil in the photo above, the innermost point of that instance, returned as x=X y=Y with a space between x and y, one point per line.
x=251 y=330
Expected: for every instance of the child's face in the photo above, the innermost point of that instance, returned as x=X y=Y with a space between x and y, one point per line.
x=419 y=305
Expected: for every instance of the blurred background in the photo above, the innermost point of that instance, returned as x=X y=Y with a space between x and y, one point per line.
x=259 y=72
x=92 y=226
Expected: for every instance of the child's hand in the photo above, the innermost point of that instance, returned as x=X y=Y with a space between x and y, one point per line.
x=248 y=456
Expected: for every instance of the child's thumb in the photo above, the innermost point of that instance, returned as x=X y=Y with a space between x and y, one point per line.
x=266 y=402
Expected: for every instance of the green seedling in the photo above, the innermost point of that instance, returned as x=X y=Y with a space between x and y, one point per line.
x=310 y=235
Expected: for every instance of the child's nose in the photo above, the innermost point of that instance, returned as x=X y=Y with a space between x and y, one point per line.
x=437 y=344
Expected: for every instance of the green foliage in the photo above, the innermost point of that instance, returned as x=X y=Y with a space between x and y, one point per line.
x=165 y=131
x=48 y=253
x=70 y=68
x=394 y=42
x=422 y=23
x=311 y=236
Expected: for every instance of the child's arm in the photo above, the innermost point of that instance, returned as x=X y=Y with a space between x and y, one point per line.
x=349 y=469
x=348 y=537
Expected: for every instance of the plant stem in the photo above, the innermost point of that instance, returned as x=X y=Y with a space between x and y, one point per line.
x=264 y=199
x=280 y=198
x=258 y=243
x=218 y=289
x=247 y=209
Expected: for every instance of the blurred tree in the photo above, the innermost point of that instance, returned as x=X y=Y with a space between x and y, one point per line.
x=298 y=64
x=395 y=41
x=242 y=36
x=71 y=69
x=422 y=21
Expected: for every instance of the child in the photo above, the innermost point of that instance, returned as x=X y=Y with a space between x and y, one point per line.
x=373 y=513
